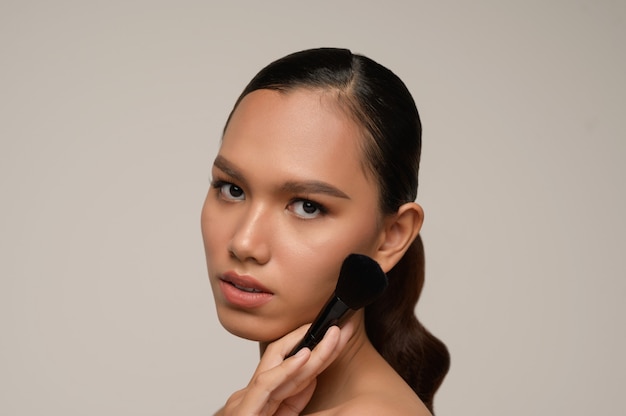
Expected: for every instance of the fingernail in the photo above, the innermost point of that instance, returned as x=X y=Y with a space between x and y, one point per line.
x=301 y=353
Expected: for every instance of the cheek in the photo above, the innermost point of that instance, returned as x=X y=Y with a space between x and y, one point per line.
x=315 y=254
x=213 y=230
x=313 y=280
x=334 y=238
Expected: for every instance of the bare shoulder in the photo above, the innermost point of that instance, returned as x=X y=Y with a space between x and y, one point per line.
x=376 y=405
x=373 y=389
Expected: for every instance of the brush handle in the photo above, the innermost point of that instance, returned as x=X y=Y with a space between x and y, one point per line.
x=334 y=312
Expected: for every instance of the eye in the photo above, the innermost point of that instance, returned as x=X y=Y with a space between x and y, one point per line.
x=229 y=191
x=304 y=208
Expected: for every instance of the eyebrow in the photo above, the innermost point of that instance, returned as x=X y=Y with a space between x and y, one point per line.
x=228 y=168
x=313 y=187
x=295 y=187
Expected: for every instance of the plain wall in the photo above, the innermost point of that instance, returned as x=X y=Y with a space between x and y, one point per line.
x=111 y=112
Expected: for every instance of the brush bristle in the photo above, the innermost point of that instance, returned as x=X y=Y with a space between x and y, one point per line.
x=361 y=281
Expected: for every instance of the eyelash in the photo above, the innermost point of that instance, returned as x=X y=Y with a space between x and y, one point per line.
x=219 y=183
x=319 y=207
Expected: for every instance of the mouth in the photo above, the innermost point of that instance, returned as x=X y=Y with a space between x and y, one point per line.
x=246 y=284
x=243 y=292
x=246 y=289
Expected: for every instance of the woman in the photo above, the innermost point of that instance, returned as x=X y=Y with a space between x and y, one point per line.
x=319 y=159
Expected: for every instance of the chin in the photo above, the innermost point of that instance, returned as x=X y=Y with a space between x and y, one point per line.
x=254 y=328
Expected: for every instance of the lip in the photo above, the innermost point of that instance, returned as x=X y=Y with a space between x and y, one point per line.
x=243 y=291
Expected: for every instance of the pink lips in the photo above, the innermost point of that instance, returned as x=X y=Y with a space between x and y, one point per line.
x=244 y=291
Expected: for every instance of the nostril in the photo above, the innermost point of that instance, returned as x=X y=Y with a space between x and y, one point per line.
x=249 y=250
x=250 y=240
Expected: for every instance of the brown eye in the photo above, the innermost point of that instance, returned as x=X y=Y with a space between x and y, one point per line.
x=235 y=191
x=229 y=191
x=306 y=209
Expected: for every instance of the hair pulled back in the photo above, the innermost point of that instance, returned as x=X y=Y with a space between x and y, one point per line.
x=384 y=109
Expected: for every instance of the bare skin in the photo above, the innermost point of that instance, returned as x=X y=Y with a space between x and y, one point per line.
x=360 y=382
x=344 y=377
x=291 y=200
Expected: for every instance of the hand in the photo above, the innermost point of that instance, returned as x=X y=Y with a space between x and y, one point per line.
x=284 y=387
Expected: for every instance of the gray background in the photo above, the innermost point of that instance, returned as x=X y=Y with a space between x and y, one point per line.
x=111 y=113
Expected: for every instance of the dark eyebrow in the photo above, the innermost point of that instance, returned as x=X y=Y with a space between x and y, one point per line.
x=313 y=187
x=228 y=168
x=294 y=187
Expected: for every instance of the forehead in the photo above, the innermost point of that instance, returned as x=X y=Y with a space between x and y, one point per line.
x=302 y=132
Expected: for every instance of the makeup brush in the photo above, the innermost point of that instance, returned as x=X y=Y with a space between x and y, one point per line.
x=361 y=281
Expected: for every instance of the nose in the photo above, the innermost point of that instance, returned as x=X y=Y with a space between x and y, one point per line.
x=250 y=240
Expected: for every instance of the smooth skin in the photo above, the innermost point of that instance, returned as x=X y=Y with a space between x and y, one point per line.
x=290 y=198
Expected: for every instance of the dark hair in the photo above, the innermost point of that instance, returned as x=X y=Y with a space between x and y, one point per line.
x=383 y=107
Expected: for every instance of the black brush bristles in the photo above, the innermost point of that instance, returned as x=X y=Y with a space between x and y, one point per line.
x=360 y=281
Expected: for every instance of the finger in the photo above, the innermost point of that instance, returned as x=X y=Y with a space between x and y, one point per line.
x=347 y=330
x=289 y=382
x=330 y=347
x=294 y=405
x=277 y=350
x=321 y=357
x=260 y=395
x=333 y=343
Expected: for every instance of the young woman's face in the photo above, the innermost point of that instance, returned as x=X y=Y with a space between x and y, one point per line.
x=289 y=200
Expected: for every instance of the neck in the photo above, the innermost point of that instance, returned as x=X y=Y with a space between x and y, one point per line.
x=333 y=382
x=359 y=369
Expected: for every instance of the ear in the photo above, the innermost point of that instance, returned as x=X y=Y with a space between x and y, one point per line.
x=400 y=229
